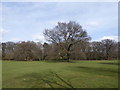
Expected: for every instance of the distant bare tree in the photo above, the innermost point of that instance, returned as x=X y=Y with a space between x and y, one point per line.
x=3 y=50
x=46 y=49
x=8 y=50
x=25 y=51
x=97 y=50
x=109 y=47
x=37 y=51
x=0 y=51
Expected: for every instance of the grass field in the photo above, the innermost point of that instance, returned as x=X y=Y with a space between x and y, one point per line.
x=41 y=74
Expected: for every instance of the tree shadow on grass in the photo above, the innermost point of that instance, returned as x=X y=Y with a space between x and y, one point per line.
x=111 y=63
x=60 y=61
x=45 y=80
x=94 y=70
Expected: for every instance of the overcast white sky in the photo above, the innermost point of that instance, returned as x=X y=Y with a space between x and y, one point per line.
x=27 y=20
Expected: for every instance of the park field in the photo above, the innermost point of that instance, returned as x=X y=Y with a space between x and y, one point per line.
x=43 y=74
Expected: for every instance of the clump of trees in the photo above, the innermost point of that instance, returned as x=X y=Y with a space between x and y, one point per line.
x=66 y=41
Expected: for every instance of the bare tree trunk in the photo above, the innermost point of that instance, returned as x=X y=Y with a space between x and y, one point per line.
x=68 y=57
x=68 y=52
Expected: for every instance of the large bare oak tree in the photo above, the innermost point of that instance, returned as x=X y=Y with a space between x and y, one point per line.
x=65 y=35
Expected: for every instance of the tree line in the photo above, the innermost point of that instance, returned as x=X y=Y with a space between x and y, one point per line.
x=66 y=41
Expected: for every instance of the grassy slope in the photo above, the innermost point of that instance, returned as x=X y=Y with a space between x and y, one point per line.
x=82 y=74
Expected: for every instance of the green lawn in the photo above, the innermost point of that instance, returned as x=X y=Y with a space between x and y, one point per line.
x=41 y=74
